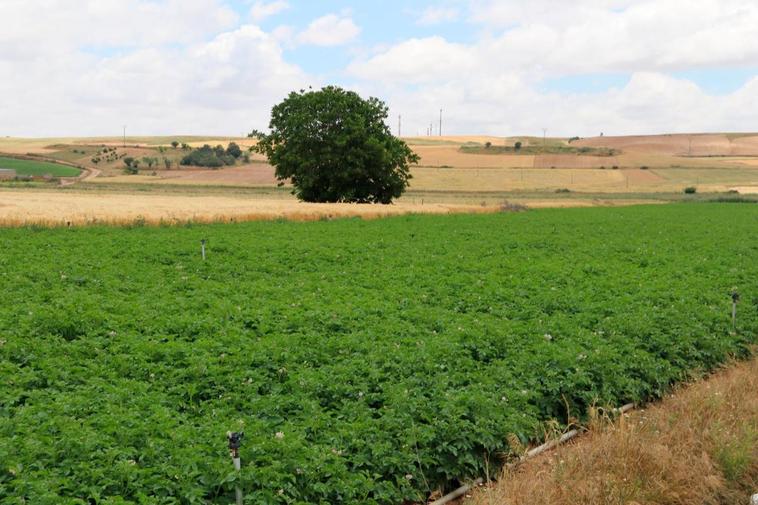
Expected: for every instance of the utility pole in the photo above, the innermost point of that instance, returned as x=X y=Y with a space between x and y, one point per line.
x=440 y=122
x=544 y=137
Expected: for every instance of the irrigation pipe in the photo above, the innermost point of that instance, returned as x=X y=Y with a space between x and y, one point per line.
x=530 y=454
x=457 y=493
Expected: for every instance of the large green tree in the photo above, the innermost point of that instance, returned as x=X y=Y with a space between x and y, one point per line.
x=334 y=146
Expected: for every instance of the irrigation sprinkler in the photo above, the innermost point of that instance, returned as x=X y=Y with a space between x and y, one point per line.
x=735 y=300
x=235 y=440
x=202 y=248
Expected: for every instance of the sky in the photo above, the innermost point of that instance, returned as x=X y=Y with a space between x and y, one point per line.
x=496 y=67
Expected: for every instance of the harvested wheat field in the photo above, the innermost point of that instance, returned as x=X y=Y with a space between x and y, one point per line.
x=697 y=446
x=508 y=179
x=256 y=174
x=717 y=144
x=18 y=208
x=444 y=155
x=745 y=190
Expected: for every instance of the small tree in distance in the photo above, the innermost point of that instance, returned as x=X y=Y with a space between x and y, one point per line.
x=174 y=144
x=334 y=146
x=234 y=150
x=517 y=146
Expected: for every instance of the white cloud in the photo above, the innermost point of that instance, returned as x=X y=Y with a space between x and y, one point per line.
x=262 y=10
x=226 y=85
x=435 y=15
x=494 y=84
x=329 y=30
x=416 y=61
x=623 y=35
x=57 y=26
x=87 y=67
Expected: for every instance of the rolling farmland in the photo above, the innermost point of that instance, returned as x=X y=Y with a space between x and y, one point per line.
x=366 y=361
x=459 y=173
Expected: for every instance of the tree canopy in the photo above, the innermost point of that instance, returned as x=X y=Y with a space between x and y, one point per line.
x=334 y=146
x=213 y=157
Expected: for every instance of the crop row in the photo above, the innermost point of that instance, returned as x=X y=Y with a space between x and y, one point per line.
x=366 y=361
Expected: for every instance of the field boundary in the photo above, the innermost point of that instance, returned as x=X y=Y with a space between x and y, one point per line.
x=531 y=453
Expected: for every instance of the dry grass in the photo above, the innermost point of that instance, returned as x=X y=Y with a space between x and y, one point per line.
x=21 y=208
x=698 y=446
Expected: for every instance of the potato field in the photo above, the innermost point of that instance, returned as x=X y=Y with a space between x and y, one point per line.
x=367 y=362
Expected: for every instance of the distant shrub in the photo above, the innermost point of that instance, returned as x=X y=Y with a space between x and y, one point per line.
x=517 y=146
x=203 y=157
x=211 y=157
x=487 y=145
x=174 y=144
x=507 y=206
x=733 y=199
x=128 y=161
x=691 y=190
x=644 y=167
x=615 y=167
x=234 y=150
x=572 y=139
x=563 y=190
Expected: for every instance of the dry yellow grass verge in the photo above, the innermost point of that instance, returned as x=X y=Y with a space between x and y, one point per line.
x=24 y=208
x=698 y=446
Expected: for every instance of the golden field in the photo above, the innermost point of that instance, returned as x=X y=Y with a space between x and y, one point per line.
x=18 y=208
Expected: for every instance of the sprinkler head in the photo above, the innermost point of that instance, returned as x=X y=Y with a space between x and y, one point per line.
x=235 y=440
x=735 y=296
